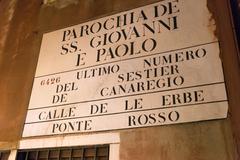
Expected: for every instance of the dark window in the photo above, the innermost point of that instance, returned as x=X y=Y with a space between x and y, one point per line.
x=4 y=155
x=100 y=152
x=235 y=4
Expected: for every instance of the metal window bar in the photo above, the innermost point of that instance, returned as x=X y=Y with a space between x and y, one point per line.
x=100 y=152
x=83 y=153
x=70 y=154
x=4 y=155
x=95 y=154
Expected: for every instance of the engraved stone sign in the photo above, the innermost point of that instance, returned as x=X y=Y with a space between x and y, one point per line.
x=155 y=65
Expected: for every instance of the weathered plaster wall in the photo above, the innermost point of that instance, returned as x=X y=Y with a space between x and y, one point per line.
x=7 y=10
x=21 y=30
x=18 y=60
x=196 y=141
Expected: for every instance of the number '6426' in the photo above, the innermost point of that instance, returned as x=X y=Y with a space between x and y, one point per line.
x=50 y=81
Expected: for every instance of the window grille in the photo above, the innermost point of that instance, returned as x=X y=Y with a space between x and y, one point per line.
x=4 y=155
x=71 y=153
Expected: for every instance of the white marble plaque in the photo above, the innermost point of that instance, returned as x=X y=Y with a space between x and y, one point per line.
x=154 y=65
